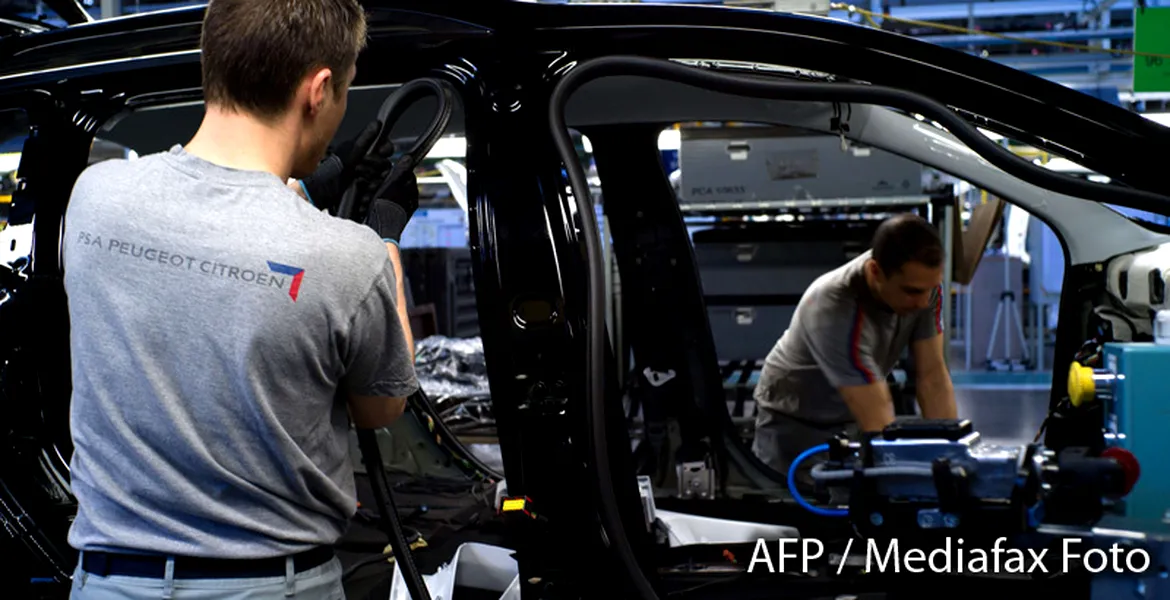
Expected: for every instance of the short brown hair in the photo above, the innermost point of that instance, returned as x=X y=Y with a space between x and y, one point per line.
x=906 y=238
x=255 y=52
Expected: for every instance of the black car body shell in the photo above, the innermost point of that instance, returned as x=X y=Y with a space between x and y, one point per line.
x=525 y=235
x=1103 y=137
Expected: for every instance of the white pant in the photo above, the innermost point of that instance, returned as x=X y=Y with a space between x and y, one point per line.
x=319 y=583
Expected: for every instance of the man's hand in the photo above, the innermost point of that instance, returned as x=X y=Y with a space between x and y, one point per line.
x=393 y=203
x=341 y=168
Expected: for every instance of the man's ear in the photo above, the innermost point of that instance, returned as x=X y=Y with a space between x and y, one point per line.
x=320 y=85
x=875 y=270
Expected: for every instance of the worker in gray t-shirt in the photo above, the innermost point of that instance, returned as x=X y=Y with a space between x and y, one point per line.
x=225 y=332
x=827 y=373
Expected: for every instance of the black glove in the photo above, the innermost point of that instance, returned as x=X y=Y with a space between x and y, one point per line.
x=394 y=202
x=342 y=167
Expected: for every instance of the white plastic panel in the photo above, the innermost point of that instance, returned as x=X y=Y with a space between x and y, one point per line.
x=686 y=530
x=475 y=565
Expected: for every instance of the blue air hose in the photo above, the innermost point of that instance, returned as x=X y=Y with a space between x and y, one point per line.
x=827 y=512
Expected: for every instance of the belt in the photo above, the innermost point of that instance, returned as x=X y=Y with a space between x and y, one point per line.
x=104 y=564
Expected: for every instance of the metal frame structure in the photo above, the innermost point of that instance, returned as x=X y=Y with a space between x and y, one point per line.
x=1098 y=24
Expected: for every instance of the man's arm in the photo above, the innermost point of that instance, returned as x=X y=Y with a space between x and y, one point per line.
x=400 y=296
x=872 y=405
x=391 y=205
x=841 y=340
x=936 y=393
x=366 y=411
x=379 y=353
x=373 y=412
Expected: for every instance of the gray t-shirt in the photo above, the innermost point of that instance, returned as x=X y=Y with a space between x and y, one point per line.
x=840 y=336
x=217 y=320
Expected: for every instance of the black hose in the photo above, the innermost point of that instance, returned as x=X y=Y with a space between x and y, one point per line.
x=372 y=456
x=595 y=326
x=420 y=402
x=392 y=109
x=365 y=562
x=868 y=94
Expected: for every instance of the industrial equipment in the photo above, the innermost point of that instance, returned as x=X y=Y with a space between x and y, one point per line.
x=1130 y=394
x=919 y=477
x=773 y=167
x=1139 y=280
x=923 y=476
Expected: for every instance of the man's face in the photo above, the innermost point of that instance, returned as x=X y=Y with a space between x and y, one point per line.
x=908 y=289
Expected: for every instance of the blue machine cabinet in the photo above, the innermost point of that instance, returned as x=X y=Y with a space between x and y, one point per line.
x=1134 y=390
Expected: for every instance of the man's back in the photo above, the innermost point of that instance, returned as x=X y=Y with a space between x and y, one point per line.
x=213 y=316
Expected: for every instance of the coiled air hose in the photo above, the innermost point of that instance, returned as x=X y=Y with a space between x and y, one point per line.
x=792 y=470
x=349 y=208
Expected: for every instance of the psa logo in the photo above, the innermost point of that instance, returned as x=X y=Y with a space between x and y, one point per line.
x=296 y=272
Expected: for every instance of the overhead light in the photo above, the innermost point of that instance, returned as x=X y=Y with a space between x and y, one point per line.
x=669 y=139
x=1129 y=96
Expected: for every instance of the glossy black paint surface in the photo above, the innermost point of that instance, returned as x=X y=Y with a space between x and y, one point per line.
x=70 y=11
x=18 y=26
x=997 y=93
x=504 y=58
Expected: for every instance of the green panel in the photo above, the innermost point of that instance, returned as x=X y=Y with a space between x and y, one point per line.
x=1151 y=33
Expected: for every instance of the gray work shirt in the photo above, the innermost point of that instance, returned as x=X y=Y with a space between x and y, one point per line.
x=840 y=336
x=217 y=320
